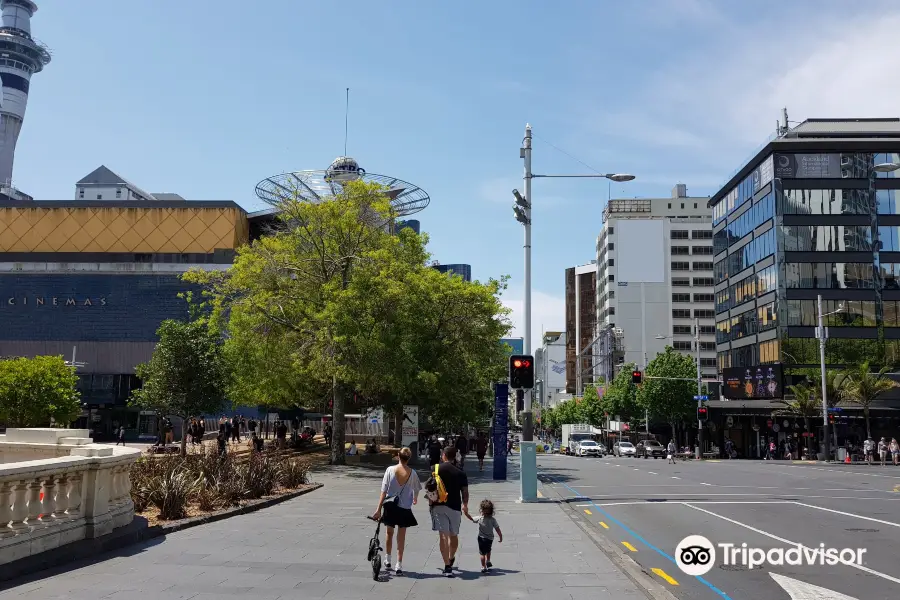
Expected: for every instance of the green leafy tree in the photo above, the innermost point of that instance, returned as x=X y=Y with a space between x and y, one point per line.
x=37 y=391
x=806 y=404
x=591 y=409
x=865 y=386
x=186 y=374
x=620 y=398
x=669 y=386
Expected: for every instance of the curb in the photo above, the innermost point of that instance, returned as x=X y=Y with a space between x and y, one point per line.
x=134 y=533
x=652 y=589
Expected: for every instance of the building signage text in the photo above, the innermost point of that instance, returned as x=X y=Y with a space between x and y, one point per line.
x=55 y=301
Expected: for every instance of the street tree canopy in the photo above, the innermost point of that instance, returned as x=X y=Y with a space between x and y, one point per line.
x=670 y=400
x=186 y=375
x=34 y=391
x=333 y=303
x=619 y=399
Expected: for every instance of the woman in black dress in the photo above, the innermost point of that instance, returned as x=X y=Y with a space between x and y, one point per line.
x=399 y=492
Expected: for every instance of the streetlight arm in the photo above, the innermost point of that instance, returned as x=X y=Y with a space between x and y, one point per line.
x=597 y=176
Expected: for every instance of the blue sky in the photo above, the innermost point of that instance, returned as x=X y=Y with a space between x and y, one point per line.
x=207 y=97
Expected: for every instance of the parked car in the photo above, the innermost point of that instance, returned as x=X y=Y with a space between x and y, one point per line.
x=648 y=448
x=588 y=448
x=624 y=449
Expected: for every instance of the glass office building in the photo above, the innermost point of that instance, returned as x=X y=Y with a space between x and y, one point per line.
x=811 y=215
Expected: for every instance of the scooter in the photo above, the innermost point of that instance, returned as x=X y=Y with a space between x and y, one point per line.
x=375 y=549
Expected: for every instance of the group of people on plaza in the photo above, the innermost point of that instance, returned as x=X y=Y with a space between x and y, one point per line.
x=886 y=451
x=447 y=492
x=463 y=445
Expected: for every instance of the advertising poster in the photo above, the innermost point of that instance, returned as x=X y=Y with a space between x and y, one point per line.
x=410 y=427
x=752 y=383
x=808 y=166
x=501 y=428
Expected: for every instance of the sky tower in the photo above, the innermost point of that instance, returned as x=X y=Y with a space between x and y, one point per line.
x=20 y=57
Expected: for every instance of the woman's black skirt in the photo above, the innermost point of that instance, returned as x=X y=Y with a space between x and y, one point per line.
x=395 y=516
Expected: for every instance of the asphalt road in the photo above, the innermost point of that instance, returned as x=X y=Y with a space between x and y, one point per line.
x=646 y=507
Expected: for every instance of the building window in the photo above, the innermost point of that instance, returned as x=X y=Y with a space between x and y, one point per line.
x=682 y=205
x=681 y=329
x=118 y=192
x=681 y=313
x=855 y=313
x=724 y=360
x=610 y=230
x=830 y=276
x=891 y=313
x=99 y=196
x=612 y=294
x=681 y=266
x=680 y=251
x=683 y=346
x=686 y=282
x=702 y=234
x=707 y=346
x=828 y=202
x=766 y=317
x=747 y=256
x=707 y=363
x=612 y=277
x=707 y=330
x=611 y=262
x=704 y=282
x=836 y=238
x=81 y=192
x=702 y=250
x=723 y=331
x=612 y=310
x=743 y=225
x=695 y=205
x=704 y=313
x=703 y=266
x=679 y=234
x=670 y=205
x=704 y=298
x=611 y=246
x=768 y=352
x=681 y=297
x=723 y=300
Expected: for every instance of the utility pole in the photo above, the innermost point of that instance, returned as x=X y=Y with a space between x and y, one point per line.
x=699 y=388
x=822 y=335
x=528 y=424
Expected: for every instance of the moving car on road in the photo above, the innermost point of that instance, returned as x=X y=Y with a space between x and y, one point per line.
x=648 y=448
x=624 y=449
x=588 y=448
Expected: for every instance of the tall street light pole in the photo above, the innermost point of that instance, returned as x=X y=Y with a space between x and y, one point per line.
x=522 y=210
x=822 y=336
x=699 y=387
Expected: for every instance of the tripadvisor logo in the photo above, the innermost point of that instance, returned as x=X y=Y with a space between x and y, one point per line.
x=696 y=555
x=55 y=301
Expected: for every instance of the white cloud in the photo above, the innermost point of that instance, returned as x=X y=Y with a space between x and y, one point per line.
x=718 y=106
x=548 y=313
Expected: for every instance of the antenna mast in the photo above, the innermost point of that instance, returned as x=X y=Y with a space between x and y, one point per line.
x=346 y=119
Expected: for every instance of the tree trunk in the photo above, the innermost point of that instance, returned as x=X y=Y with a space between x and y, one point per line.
x=674 y=432
x=183 y=436
x=866 y=415
x=339 y=423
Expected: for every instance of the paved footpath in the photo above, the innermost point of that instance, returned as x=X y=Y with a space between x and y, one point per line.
x=314 y=547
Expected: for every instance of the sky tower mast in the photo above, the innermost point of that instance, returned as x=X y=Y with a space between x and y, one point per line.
x=20 y=57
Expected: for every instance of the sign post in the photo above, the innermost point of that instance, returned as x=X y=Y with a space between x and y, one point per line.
x=501 y=427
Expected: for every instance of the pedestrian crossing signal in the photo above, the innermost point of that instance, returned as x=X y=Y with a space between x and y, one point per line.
x=636 y=377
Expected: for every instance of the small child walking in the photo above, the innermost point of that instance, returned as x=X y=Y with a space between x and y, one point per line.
x=487 y=525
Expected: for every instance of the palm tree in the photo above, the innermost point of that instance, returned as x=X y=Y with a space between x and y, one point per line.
x=865 y=386
x=837 y=384
x=805 y=404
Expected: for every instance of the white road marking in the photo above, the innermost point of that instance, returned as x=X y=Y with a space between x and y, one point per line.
x=800 y=590
x=652 y=473
x=846 y=514
x=676 y=503
x=705 y=484
x=790 y=543
x=673 y=477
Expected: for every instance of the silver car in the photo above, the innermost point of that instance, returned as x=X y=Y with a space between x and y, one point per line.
x=624 y=449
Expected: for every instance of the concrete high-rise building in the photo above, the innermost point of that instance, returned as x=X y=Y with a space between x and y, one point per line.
x=550 y=368
x=581 y=315
x=655 y=281
x=20 y=57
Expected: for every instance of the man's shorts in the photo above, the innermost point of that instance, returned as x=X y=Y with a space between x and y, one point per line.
x=484 y=546
x=445 y=519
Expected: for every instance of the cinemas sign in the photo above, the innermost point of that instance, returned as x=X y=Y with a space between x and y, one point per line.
x=54 y=301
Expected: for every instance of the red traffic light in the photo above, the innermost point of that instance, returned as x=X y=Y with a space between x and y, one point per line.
x=517 y=363
x=702 y=410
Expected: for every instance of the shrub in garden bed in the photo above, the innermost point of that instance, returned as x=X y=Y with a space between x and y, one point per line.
x=210 y=481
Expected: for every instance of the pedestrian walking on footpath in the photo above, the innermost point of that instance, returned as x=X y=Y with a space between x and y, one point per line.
x=400 y=489
x=434 y=452
x=869 y=449
x=487 y=525
x=462 y=447
x=882 y=450
x=894 y=449
x=670 y=451
x=121 y=435
x=446 y=513
x=481 y=446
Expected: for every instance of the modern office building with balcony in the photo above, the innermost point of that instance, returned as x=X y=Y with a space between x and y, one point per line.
x=654 y=281
x=816 y=211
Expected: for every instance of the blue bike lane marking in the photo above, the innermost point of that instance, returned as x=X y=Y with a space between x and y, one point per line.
x=641 y=539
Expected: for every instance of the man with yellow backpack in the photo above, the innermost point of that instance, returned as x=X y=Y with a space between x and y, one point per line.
x=447 y=491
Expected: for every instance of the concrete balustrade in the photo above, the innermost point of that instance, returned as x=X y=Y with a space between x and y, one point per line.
x=78 y=490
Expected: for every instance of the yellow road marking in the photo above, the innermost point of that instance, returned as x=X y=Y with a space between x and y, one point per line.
x=629 y=546
x=665 y=576
x=604 y=525
x=588 y=512
x=897 y=488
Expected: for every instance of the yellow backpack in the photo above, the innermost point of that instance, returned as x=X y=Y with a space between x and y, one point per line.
x=435 y=490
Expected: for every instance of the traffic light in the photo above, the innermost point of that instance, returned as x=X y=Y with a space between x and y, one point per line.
x=521 y=372
x=702 y=413
x=636 y=377
x=520 y=401
x=831 y=419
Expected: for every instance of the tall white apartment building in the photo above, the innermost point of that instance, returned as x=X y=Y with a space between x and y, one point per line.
x=655 y=282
